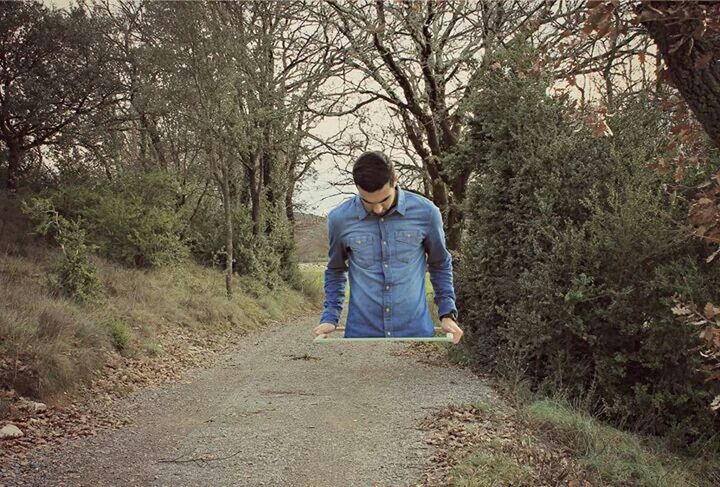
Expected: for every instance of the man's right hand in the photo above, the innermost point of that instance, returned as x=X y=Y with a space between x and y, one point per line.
x=323 y=328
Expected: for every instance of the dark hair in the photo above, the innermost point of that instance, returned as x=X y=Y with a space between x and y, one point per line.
x=373 y=170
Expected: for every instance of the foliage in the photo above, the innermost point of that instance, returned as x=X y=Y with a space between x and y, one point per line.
x=267 y=258
x=573 y=253
x=74 y=275
x=134 y=219
x=55 y=74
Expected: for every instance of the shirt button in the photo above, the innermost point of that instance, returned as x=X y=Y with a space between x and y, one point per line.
x=387 y=310
x=382 y=219
x=386 y=264
x=389 y=333
x=384 y=242
x=387 y=287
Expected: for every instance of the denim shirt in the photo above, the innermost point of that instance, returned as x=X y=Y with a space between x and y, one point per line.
x=386 y=259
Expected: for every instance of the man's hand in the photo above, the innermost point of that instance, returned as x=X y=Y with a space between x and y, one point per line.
x=323 y=328
x=449 y=326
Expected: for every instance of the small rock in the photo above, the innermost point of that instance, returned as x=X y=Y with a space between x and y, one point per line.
x=10 y=431
x=32 y=406
x=36 y=407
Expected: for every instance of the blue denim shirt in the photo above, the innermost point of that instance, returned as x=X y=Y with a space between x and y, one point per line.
x=386 y=259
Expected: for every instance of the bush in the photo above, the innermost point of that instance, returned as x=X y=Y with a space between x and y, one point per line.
x=572 y=255
x=134 y=220
x=74 y=276
x=269 y=258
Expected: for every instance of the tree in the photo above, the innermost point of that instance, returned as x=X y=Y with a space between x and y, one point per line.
x=242 y=75
x=688 y=37
x=53 y=74
x=418 y=60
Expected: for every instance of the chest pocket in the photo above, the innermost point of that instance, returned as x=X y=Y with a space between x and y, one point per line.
x=362 y=250
x=408 y=244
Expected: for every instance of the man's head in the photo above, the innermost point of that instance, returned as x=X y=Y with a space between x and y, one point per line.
x=375 y=180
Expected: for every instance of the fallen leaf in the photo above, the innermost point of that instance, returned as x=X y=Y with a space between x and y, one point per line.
x=702 y=61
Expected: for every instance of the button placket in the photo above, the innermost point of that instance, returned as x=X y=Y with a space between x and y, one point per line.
x=387 y=274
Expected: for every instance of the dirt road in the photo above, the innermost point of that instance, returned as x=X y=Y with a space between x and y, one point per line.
x=279 y=410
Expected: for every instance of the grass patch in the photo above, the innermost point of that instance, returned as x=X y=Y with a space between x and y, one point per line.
x=486 y=408
x=152 y=349
x=488 y=468
x=120 y=335
x=312 y=282
x=47 y=345
x=613 y=456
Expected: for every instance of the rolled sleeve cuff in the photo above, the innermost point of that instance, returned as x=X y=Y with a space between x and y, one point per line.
x=329 y=317
x=446 y=306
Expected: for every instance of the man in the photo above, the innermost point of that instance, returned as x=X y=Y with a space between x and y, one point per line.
x=386 y=238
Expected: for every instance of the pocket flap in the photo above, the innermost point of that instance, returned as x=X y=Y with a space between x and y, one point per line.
x=360 y=240
x=408 y=236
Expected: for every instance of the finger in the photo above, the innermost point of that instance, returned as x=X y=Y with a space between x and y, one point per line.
x=457 y=336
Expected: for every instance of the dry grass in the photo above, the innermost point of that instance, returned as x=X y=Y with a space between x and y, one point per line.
x=47 y=344
x=50 y=345
x=616 y=457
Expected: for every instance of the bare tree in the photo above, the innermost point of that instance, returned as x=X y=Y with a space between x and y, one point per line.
x=244 y=74
x=418 y=58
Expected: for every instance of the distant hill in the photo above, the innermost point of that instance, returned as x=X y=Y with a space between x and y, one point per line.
x=311 y=237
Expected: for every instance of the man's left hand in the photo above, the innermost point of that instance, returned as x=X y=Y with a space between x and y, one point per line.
x=450 y=326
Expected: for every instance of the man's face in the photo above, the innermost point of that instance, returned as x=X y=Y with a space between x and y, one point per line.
x=380 y=201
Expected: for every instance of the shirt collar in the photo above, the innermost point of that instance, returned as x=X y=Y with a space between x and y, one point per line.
x=399 y=207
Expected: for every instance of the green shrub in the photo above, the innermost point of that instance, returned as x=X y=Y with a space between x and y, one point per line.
x=572 y=254
x=134 y=220
x=120 y=335
x=269 y=258
x=74 y=275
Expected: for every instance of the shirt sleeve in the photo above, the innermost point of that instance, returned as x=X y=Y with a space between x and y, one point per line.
x=335 y=275
x=439 y=263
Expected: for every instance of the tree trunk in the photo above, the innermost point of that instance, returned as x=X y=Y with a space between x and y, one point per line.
x=151 y=128
x=454 y=221
x=693 y=61
x=227 y=207
x=14 y=164
x=289 y=206
x=268 y=187
x=255 y=181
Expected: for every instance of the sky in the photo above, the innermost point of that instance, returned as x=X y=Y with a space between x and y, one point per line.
x=319 y=196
